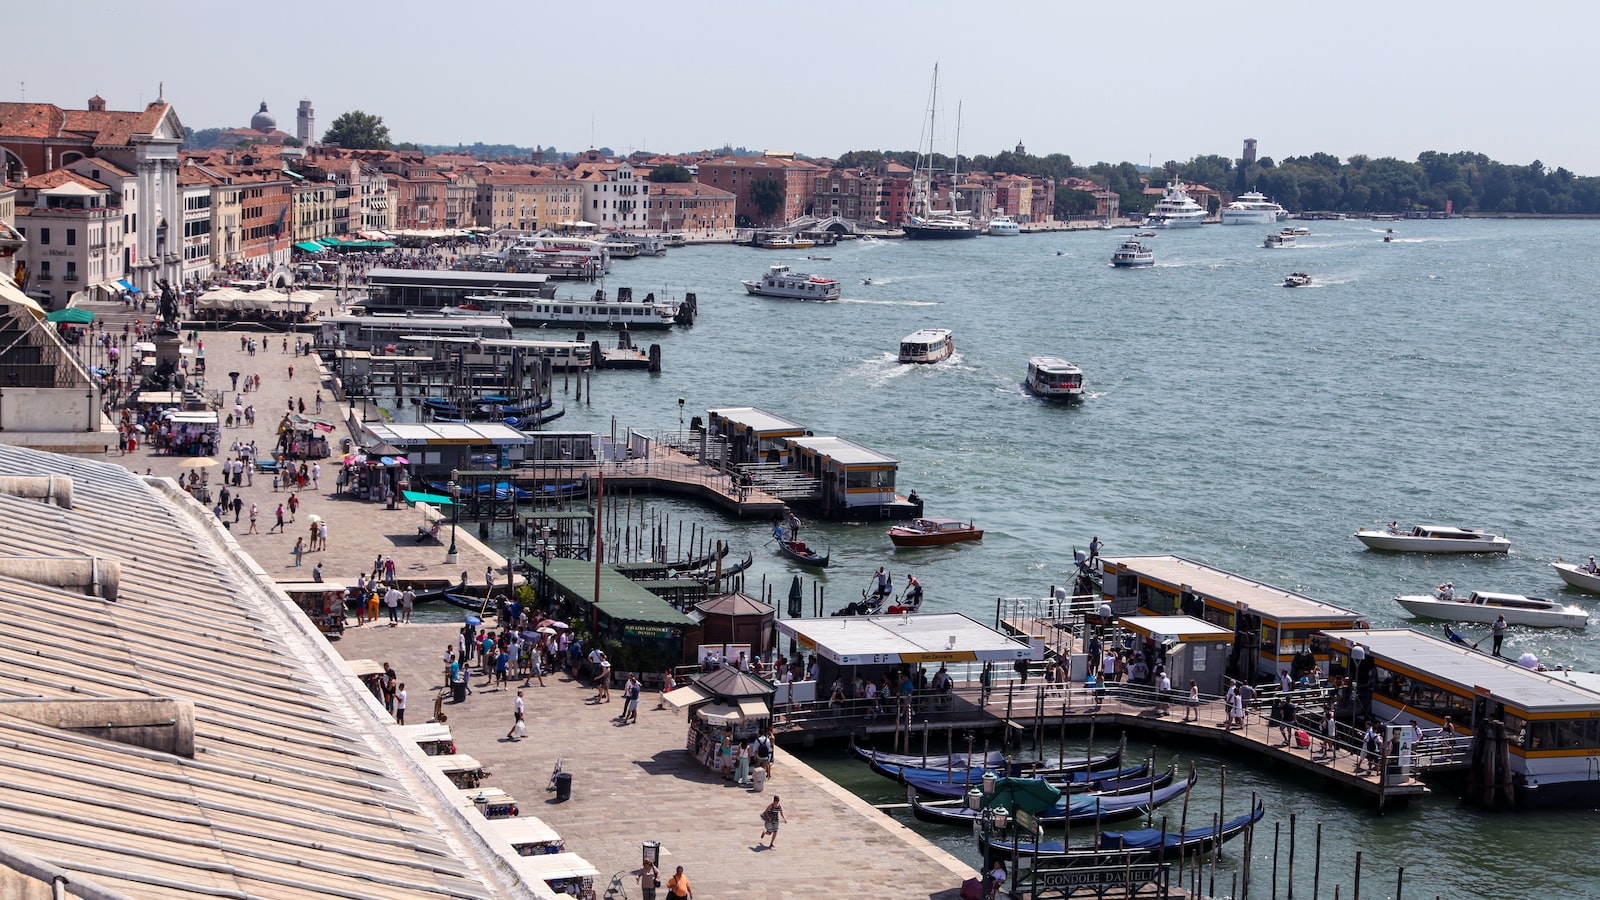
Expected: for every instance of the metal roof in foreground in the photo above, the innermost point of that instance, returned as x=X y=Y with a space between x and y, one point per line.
x=886 y=640
x=289 y=784
x=1511 y=684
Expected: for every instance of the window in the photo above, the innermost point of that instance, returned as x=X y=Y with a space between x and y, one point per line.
x=72 y=237
x=44 y=238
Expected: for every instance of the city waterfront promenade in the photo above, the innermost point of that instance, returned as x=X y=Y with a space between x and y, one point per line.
x=636 y=783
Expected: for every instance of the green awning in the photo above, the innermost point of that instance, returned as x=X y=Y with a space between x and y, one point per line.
x=415 y=497
x=620 y=598
x=72 y=316
x=329 y=241
x=309 y=247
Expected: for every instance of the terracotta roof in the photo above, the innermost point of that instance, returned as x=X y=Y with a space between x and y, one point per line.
x=58 y=177
x=114 y=128
x=100 y=162
x=30 y=120
x=688 y=189
x=769 y=162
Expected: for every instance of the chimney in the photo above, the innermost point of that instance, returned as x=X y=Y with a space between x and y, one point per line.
x=97 y=104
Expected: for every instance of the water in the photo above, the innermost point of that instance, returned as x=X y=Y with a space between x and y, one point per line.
x=1445 y=377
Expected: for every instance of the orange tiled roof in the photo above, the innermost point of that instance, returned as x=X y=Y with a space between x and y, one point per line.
x=115 y=128
x=57 y=177
x=688 y=189
x=109 y=166
x=31 y=120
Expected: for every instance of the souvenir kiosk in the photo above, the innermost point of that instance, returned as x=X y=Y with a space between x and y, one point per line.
x=723 y=703
x=736 y=619
x=321 y=601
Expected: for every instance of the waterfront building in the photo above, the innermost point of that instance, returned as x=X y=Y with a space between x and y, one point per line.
x=690 y=206
x=197 y=187
x=75 y=234
x=313 y=204
x=616 y=195
x=40 y=137
x=736 y=174
x=1274 y=629
x=1014 y=194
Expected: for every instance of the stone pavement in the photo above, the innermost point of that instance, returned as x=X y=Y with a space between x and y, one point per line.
x=358 y=530
x=636 y=783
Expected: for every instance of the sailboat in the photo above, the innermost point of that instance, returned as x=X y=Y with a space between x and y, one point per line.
x=926 y=223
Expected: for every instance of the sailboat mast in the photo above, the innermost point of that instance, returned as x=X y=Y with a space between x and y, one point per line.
x=955 y=169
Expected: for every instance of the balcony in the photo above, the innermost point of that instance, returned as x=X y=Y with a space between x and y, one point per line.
x=70 y=277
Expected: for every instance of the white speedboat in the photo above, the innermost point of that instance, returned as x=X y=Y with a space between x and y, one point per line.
x=1003 y=225
x=1581 y=577
x=780 y=281
x=1175 y=209
x=1297 y=279
x=1486 y=606
x=1133 y=255
x=1433 y=539
x=1054 y=379
x=1279 y=242
x=927 y=345
x=1253 y=208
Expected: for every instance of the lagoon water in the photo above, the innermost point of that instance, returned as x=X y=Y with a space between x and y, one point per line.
x=1447 y=377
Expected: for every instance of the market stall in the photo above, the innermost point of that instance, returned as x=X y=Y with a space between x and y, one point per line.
x=565 y=873
x=725 y=703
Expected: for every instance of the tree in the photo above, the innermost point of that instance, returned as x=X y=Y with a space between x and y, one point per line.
x=358 y=131
x=767 y=194
x=670 y=173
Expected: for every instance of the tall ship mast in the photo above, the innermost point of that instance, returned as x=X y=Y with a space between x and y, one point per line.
x=925 y=223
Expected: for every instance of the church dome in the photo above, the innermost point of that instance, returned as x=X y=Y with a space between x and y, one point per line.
x=263 y=121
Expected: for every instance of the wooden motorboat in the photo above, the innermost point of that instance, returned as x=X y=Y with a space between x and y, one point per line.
x=1433 y=539
x=1580 y=577
x=933 y=533
x=802 y=553
x=1486 y=606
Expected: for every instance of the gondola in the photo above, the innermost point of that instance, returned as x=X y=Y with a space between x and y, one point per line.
x=1080 y=808
x=953 y=776
x=438 y=593
x=710 y=573
x=472 y=604
x=702 y=561
x=1139 y=843
x=992 y=758
x=801 y=553
x=1130 y=780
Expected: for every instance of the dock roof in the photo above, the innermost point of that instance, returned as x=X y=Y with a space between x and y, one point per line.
x=436 y=434
x=1236 y=590
x=293 y=786
x=620 y=598
x=1511 y=684
x=886 y=640
x=757 y=420
x=845 y=452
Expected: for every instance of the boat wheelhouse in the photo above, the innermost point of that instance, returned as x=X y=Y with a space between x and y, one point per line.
x=1054 y=379
x=598 y=311
x=781 y=281
x=1132 y=254
x=1274 y=629
x=427 y=290
x=927 y=345
x=1549 y=722
x=1433 y=539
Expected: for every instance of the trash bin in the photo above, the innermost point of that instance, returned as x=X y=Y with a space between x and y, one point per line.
x=563 y=787
x=652 y=852
x=458 y=692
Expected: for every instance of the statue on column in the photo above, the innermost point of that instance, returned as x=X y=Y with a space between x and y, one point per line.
x=167 y=307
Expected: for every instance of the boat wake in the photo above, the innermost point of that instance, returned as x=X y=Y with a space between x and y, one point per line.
x=888 y=302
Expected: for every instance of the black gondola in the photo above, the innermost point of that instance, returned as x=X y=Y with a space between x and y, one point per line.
x=1117 y=846
x=801 y=553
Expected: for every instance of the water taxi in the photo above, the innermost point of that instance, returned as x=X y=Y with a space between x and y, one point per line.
x=781 y=281
x=1433 y=539
x=785 y=242
x=933 y=533
x=1584 y=578
x=927 y=345
x=1279 y=242
x=1054 y=379
x=1486 y=606
x=1297 y=279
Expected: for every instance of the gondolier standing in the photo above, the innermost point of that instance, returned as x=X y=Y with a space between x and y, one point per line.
x=1498 y=629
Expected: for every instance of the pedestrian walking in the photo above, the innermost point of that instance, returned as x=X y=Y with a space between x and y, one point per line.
x=647 y=878
x=294 y=505
x=316 y=476
x=678 y=886
x=255 y=511
x=279 y=526
x=630 y=700
x=518 y=727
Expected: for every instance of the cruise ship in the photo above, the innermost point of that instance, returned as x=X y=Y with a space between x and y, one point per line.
x=1175 y=210
x=1253 y=208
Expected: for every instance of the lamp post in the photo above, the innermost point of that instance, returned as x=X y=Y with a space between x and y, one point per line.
x=451 y=556
x=545 y=549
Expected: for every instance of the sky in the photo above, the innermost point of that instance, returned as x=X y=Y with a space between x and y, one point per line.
x=1143 y=82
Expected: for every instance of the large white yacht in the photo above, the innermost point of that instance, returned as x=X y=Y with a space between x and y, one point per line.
x=1175 y=210
x=1253 y=208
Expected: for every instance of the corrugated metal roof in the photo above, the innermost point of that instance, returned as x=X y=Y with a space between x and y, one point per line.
x=1510 y=683
x=1206 y=581
x=757 y=420
x=293 y=788
x=845 y=452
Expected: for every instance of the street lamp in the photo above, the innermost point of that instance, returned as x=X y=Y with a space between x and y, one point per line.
x=451 y=556
x=545 y=549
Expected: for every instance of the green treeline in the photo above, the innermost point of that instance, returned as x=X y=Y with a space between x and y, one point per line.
x=1471 y=181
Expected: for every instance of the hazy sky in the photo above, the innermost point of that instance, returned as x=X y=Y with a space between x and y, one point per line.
x=1146 y=81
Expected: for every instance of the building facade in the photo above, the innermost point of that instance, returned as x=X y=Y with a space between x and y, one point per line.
x=75 y=237
x=690 y=206
x=796 y=181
